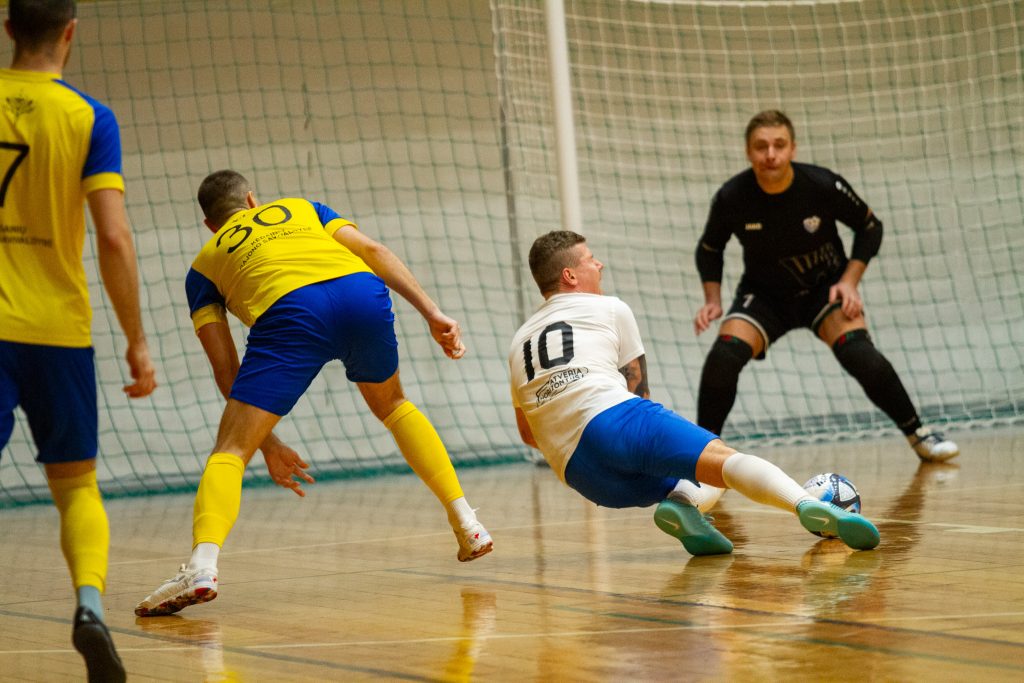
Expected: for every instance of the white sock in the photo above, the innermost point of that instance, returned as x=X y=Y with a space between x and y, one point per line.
x=204 y=556
x=762 y=482
x=703 y=497
x=459 y=513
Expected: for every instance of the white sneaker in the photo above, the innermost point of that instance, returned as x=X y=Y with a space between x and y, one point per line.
x=931 y=446
x=474 y=541
x=188 y=587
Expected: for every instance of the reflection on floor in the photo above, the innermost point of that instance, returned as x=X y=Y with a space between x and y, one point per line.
x=359 y=581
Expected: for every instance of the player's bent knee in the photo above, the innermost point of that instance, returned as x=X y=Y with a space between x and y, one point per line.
x=383 y=398
x=711 y=461
x=726 y=359
x=857 y=354
x=397 y=413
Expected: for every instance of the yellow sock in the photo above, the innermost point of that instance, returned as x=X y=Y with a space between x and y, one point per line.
x=424 y=451
x=84 y=529
x=218 y=499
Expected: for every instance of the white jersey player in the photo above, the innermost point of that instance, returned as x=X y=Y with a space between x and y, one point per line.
x=579 y=388
x=568 y=373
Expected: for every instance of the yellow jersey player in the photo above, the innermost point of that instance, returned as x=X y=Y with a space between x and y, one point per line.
x=59 y=149
x=313 y=289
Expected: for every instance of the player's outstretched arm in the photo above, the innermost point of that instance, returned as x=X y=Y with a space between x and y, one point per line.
x=220 y=350
x=399 y=278
x=120 y=273
x=283 y=463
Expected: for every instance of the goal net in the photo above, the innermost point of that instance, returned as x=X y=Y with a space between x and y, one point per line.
x=919 y=105
x=429 y=124
x=384 y=111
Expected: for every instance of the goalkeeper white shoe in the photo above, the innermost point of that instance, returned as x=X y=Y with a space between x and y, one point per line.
x=931 y=446
x=474 y=541
x=188 y=587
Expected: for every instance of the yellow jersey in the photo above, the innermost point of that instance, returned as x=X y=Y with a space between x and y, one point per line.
x=56 y=145
x=261 y=254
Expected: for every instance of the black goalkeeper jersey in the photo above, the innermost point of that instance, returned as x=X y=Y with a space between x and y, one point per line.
x=790 y=240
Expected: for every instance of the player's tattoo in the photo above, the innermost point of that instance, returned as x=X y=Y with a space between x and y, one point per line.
x=635 y=372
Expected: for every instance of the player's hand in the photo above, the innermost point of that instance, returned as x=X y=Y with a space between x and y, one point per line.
x=707 y=314
x=447 y=334
x=140 y=365
x=847 y=294
x=285 y=466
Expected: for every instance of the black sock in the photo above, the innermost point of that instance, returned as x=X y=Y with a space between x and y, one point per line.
x=859 y=357
x=718 y=381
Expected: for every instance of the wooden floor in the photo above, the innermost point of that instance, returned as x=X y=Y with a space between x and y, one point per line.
x=359 y=581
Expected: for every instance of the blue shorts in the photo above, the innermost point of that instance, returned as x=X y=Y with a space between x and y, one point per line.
x=56 y=387
x=348 y=318
x=633 y=454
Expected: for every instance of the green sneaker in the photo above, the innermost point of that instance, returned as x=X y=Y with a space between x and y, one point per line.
x=855 y=530
x=686 y=523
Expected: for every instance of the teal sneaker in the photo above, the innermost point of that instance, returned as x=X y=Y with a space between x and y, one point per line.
x=827 y=519
x=686 y=523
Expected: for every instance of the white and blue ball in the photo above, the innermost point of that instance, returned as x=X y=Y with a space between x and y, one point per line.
x=830 y=487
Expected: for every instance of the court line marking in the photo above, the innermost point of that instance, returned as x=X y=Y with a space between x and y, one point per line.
x=744 y=610
x=248 y=650
x=266 y=650
x=946 y=526
x=669 y=625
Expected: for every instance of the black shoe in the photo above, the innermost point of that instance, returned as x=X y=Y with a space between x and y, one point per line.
x=92 y=639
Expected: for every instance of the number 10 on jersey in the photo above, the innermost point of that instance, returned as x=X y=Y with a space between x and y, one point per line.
x=543 y=352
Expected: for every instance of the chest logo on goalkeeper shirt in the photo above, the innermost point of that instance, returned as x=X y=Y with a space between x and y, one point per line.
x=752 y=226
x=812 y=223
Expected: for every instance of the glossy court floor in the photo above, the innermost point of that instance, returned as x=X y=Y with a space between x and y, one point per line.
x=359 y=581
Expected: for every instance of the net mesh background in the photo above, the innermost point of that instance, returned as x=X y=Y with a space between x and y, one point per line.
x=430 y=125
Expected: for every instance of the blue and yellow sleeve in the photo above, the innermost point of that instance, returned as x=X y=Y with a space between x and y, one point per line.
x=102 y=168
x=331 y=219
x=205 y=302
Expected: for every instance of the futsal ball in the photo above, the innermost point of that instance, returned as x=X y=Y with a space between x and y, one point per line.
x=836 y=489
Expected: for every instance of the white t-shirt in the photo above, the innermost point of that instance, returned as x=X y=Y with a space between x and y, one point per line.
x=564 y=365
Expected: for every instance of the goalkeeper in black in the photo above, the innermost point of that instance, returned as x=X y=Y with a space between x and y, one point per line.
x=796 y=275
